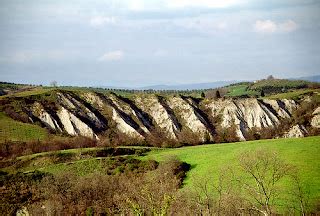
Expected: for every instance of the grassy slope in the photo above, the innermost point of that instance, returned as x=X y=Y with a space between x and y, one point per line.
x=205 y=160
x=208 y=159
x=239 y=90
x=296 y=94
x=15 y=130
x=281 y=83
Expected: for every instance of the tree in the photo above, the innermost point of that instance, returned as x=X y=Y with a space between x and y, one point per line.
x=262 y=93
x=270 y=77
x=300 y=194
x=203 y=95
x=54 y=83
x=262 y=172
x=218 y=94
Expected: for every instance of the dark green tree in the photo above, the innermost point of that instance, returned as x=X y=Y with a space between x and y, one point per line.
x=203 y=95
x=218 y=94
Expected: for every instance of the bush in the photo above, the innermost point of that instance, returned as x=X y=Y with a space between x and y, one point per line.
x=150 y=192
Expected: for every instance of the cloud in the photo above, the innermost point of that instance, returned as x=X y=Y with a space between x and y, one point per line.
x=202 y=24
x=112 y=56
x=288 y=26
x=202 y=3
x=265 y=26
x=145 y=5
x=268 y=26
x=99 y=21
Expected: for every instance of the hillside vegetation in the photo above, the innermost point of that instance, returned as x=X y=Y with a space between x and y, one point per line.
x=208 y=160
x=265 y=88
x=18 y=131
x=139 y=172
x=163 y=120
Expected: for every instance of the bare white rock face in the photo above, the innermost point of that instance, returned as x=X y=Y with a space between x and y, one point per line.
x=189 y=117
x=315 y=121
x=65 y=101
x=152 y=106
x=296 y=132
x=45 y=117
x=136 y=116
x=248 y=113
x=129 y=111
x=123 y=127
x=73 y=125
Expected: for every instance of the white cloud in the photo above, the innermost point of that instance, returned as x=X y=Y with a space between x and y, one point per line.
x=268 y=26
x=99 y=21
x=288 y=26
x=202 y=24
x=202 y=3
x=140 y=5
x=112 y=56
x=265 y=26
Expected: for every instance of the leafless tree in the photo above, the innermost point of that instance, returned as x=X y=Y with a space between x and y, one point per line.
x=262 y=171
x=299 y=193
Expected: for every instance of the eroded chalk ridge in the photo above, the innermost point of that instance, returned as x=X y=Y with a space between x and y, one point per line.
x=91 y=114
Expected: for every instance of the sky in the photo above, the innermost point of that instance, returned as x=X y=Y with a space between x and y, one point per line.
x=136 y=43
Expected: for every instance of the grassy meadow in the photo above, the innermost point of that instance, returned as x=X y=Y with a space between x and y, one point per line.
x=18 y=131
x=207 y=160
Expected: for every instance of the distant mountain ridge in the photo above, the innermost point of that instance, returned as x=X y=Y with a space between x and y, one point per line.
x=191 y=86
x=207 y=85
x=315 y=78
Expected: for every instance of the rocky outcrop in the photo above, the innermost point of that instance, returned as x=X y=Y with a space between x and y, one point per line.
x=93 y=99
x=190 y=118
x=91 y=114
x=129 y=107
x=73 y=125
x=82 y=110
x=161 y=113
x=124 y=126
x=45 y=117
x=70 y=114
x=296 y=132
x=22 y=212
x=250 y=113
x=315 y=121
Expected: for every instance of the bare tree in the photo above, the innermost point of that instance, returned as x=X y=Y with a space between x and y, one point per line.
x=299 y=193
x=262 y=172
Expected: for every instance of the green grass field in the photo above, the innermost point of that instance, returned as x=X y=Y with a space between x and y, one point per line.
x=295 y=95
x=18 y=131
x=207 y=160
x=239 y=90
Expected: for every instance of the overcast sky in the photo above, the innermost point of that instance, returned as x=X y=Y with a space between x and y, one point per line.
x=145 y=42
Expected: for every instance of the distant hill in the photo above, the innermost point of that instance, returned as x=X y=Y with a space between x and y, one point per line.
x=315 y=78
x=193 y=86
